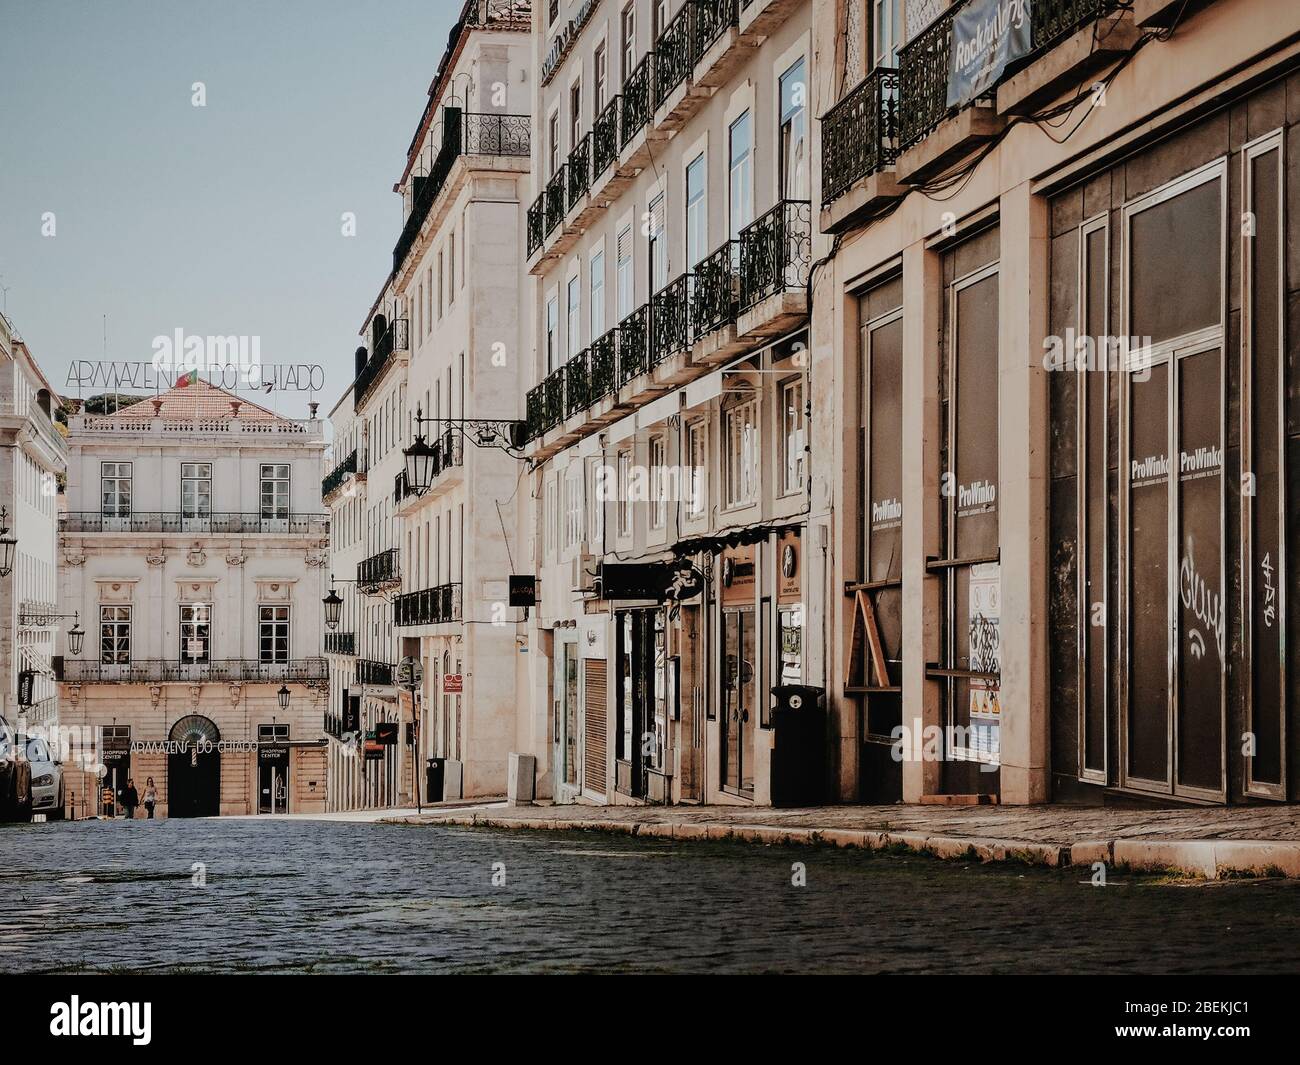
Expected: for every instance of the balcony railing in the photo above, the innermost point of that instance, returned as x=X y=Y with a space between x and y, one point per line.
x=218 y=523
x=431 y=606
x=379 y=674
x=602 y=359
x=165 y=670
x=336 y=476
x=577 y=384
x=554 y=397
x=1053 y=19
x=535 y=411
x=495 y=12
x=555 y=200
x=341 y=643
x=604 y=138
x=923 y=79
x=714 y=300
x=379 y=569
x=395 y=339
x=462 y=134
x=579 y=170
x=536 y=224
x=712 y=19
x=634 y=344
x=636 y=107
x=675 y=52
x=776 y=252
x=670 y=320
x=860 y=134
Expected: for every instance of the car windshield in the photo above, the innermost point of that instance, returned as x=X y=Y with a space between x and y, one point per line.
x=36 y=751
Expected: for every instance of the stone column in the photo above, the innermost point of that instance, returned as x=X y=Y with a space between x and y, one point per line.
x=922 y=426
x=1023 y=487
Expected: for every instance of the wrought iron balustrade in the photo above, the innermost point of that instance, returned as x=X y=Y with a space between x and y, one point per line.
x=712 y=19
x=535 y=411
x=213 y=523
x=577 y=384
x=340 y=643
x=636 y=108
x=579 y=170
x=923 y=79
x=555 y=200
x=776 y=252
x=634 y=344
x=670 y=320
x=554 y=407
x=429 y=606
x=714 y=290
x=536 y=224
x=335 y=477
x=674 y=53
x=491 y=134
x=395 y=339
x=379 y=674
x=381 y=568
x=860 y=133
x=1052 y=20
x=602 y=360
x=604 y=138
x=166 y=670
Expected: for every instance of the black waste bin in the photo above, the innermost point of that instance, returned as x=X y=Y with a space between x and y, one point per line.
x=799 y=745
x=434 y=773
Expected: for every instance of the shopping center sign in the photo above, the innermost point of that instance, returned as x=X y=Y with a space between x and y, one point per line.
x=987 y=35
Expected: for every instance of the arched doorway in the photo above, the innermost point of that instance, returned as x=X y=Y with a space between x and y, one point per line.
x=194 y=773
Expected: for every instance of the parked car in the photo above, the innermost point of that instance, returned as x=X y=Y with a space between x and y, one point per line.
x=47 y=779
x=15 y=778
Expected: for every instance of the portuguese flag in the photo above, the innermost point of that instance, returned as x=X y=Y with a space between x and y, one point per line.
x=190 y=378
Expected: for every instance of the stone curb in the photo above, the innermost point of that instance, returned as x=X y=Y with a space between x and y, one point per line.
x=1211 y=859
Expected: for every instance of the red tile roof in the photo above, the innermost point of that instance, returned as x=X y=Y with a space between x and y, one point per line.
x=197 y=401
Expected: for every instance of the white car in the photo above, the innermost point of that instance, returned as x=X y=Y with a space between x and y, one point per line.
x=47 y=780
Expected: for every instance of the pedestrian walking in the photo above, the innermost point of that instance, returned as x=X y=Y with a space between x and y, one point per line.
x=130 y=799
x=150 y=797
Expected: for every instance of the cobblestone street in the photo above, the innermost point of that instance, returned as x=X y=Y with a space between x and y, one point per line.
x=299 y=895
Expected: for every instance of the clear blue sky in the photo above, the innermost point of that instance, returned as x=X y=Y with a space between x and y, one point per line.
x=220 y=220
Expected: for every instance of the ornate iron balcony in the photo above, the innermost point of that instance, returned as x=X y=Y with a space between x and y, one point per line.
x=491 y=134
x=577 y=373
x=379 y=674
x=776 y=252
x=335 y=477
x=395 y=339
x=555 y=200
x=579 y=168
x=215 y=523
x=636 y=109
x=430 y=606
x=923 y=79
x=634 y=344
x=554 y=403
x=536 y=224
x=535 y=411
x=165 y=670
x=671 y=320
x=380 y=569
x=860 y=134
x=674 y=53
x=714 y=299
x=604 y=138
x=712 y=19
x=341 y=643
x=1053 y=19
x=602 y=358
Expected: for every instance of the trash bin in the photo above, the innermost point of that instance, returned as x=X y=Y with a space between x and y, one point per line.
x=799 y=745
x=435 y=772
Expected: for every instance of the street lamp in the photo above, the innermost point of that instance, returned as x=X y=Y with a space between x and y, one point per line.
x=333 y=609
x=420 y=459
x=282 y=697
x=7 y=544
x=75 y=635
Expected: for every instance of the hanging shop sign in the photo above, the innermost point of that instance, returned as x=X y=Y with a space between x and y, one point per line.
x=374 y=752
x=987 y=35
x=736 y=573
x=789 y=559
x=386 y=733
x=273 y=754
x=523 y=589
x=633 y=580
x=453 y=683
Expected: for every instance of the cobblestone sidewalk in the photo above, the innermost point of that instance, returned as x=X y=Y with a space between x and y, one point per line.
x=1210 y=842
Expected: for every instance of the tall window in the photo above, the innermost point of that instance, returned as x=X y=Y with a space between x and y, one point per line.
x=599 y=79
x=575 y=114
x=628 y=28
x=275 y=492
x=196 y=631
x=624 y=490
x=658 y=245
x=658 y=490
x=451 y=268
x=625 y=275
x=740 y=453
x=553 y=144
x=273 y=633
x=597 y=295
x=794 y=133
x=697 y=225
x=694 y=473
x=573 y=505
x=886 y=32
x=115 y=490
x=441 y=280
x=552 y=338
x=660 y=17
x=196 y=491
x=741 y=186
x=793 y=434
x=115 y=634
x=574 y=306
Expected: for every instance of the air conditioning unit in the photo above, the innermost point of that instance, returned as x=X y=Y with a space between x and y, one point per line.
x=584 y=569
